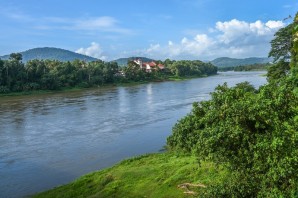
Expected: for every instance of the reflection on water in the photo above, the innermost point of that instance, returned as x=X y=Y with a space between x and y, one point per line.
x=48 y=140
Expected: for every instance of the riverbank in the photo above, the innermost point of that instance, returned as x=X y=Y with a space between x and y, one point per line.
x=56 y=138
x=152 y=175
x=72 y=89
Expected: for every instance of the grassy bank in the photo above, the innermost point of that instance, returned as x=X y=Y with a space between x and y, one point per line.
x=38 y=92
x=153 y=175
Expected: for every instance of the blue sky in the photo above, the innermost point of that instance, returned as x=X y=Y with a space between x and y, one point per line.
x=159 y=29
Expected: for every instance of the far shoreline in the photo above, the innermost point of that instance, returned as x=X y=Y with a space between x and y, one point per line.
x=119 y=84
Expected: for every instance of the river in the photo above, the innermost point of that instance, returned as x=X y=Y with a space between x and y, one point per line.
x=51 y=139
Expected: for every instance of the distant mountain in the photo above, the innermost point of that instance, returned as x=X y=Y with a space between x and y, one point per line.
x=123 y=61
x=52 y=54
x=231 y=62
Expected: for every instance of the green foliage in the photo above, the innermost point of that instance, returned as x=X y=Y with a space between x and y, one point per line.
x=16 y=57
x=253 y=133
x=282 y=43
x=281 y=48
x=133 y=72
x=4 y=90
x=190 y=68
x=294 y=50
x=278 y=70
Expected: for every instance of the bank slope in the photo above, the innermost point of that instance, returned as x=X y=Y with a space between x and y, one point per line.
x=153 y=175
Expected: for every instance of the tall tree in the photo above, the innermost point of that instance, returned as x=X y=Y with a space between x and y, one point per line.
x=281 y=47
x=282 y=43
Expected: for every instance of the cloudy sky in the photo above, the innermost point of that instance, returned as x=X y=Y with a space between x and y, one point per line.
x=159 y=29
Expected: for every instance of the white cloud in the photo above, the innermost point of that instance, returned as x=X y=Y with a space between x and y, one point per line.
x=232 y=38
x=94 y=23
x=94 y=50
x=153 y=48
x=274 y=24
x=104 y=24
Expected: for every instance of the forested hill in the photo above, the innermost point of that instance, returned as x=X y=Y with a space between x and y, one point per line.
x=124 y=61
x=51 y=54
x=231 y=62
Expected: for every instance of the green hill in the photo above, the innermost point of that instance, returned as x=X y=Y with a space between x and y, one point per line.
x=231 y=62
x=52 y=54
x=123 y=61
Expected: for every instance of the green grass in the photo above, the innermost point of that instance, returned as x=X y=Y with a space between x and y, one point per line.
x=41 y=92
x=177 y=78
x=153 y=175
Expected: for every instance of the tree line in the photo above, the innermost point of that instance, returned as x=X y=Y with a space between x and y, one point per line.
x=15 y=76
x=252 y=67
x=190 y=68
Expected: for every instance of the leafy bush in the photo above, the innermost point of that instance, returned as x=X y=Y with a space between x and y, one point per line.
x=252 y=133
x=30 y=86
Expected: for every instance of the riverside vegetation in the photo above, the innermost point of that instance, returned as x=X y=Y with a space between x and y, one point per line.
x=16 y=76
x=243 y=142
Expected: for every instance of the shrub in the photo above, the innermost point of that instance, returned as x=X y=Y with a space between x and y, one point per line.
x=252 y=133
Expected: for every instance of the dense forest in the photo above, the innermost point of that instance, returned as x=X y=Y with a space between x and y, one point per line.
x=253 y=133
x=15 y=76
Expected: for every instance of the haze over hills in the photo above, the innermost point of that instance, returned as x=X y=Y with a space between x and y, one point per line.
x=231 y=62
x=52 y=54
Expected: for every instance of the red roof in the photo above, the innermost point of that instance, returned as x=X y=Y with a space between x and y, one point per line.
x=152 y=64
x=161 y=66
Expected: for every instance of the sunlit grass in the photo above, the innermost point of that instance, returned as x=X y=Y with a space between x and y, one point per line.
x=153 y=175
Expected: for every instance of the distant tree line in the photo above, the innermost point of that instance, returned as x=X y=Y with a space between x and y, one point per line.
x=252 y=67
x=190 y=68
x=15 y=76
